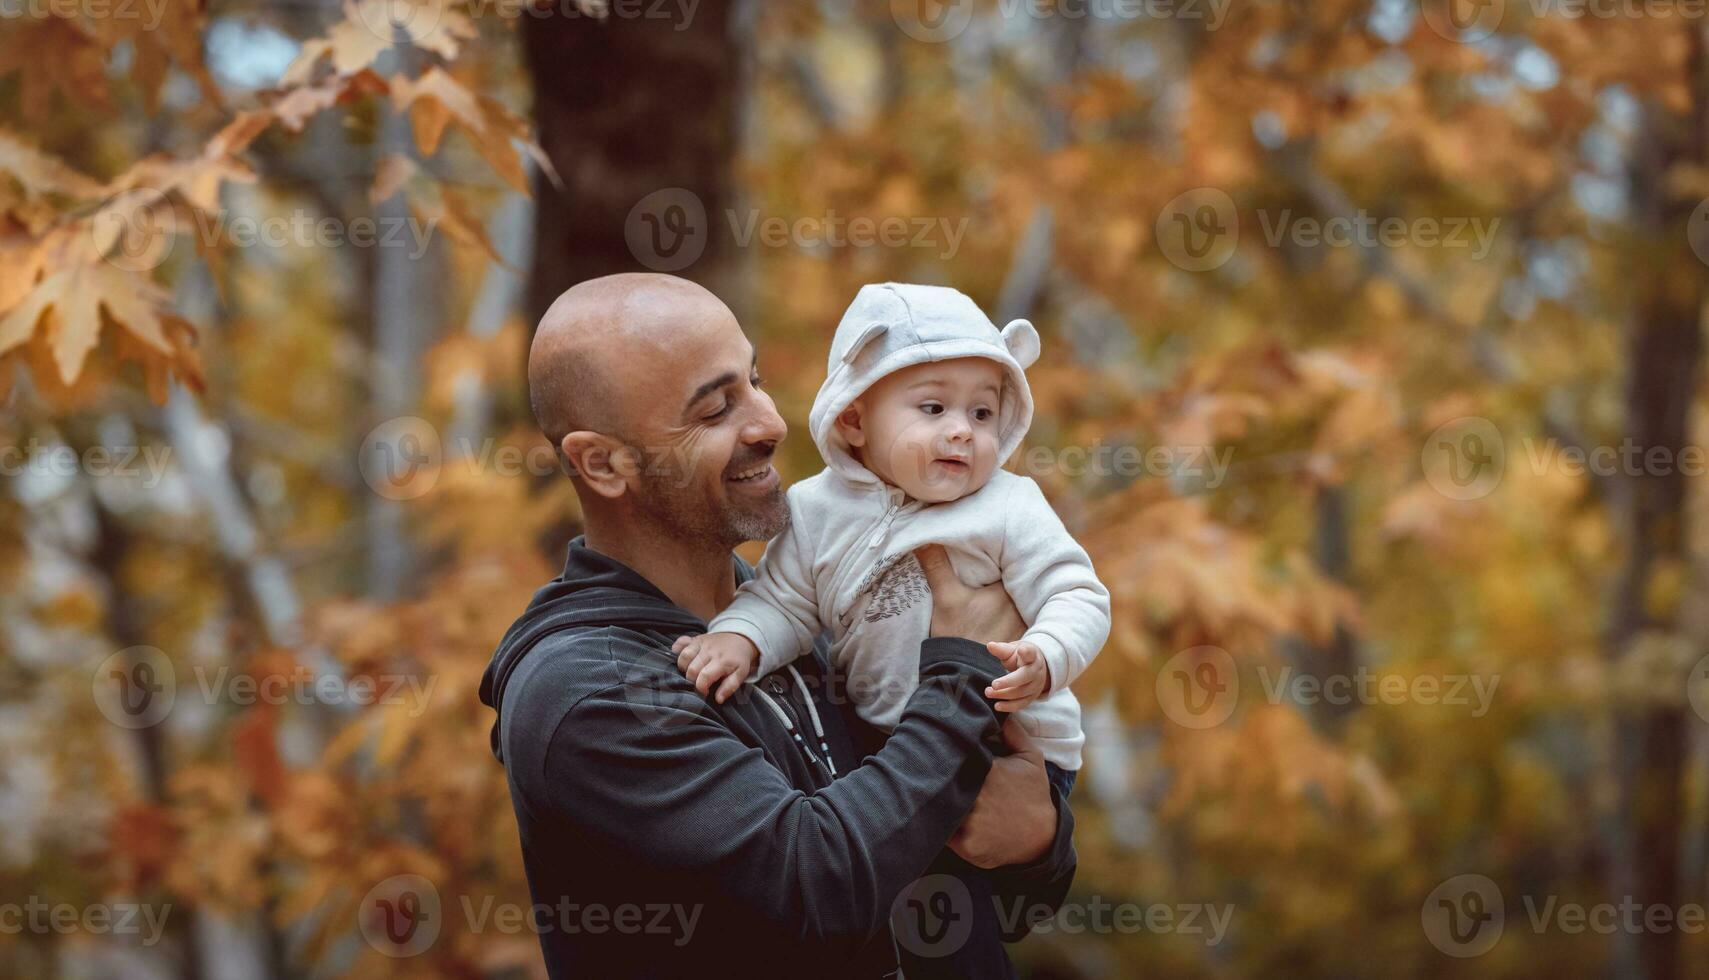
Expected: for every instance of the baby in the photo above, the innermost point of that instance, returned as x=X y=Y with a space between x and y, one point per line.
x=924 y=400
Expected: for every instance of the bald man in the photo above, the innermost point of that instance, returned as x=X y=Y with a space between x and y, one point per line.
x=664 y=834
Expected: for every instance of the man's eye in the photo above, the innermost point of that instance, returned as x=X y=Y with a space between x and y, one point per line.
x=757 y=381
x=725 y=410
x=932 y=408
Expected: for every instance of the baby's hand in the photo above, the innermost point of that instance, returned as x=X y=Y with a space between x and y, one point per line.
x=710 y=657
x=1028 y=677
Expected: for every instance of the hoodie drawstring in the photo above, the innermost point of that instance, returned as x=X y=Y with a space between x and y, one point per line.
x=827 y=762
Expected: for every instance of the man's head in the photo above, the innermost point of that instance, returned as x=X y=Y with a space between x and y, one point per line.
x=650 y=391
x=931 y=428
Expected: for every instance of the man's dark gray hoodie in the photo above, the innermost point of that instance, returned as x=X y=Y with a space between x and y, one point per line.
x=666 y=835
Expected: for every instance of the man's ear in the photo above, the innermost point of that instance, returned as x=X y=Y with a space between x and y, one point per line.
x=603 y=463
x=849 y=424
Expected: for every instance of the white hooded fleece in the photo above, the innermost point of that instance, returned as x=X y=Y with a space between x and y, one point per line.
x=846 y=561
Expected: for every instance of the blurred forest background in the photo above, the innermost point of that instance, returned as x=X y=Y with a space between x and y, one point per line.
x=1370 y=379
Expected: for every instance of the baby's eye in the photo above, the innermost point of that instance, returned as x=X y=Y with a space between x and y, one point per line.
x=932 y=408
x=982 y=414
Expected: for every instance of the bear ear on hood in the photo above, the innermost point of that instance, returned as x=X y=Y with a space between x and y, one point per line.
x=1022 y=341
x=868 y=334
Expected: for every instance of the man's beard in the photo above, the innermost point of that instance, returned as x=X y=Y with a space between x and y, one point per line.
x=676 y=504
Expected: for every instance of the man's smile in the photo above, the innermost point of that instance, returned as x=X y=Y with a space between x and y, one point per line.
x=761 y=477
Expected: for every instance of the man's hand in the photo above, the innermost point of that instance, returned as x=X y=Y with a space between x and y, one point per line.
x=710 y=657
x=958 y=609
x=1028 y=678
x=1014 y=819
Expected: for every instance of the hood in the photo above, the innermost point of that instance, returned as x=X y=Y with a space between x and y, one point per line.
x=594 y=590
x=895 y=325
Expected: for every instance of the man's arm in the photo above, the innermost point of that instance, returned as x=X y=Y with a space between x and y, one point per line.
x=652 y=767
x=1019 y=827
x=1022 y=831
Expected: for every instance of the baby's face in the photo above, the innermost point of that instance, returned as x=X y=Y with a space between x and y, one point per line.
x=930 y=429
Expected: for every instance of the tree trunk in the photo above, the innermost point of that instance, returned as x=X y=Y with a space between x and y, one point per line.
x=628 y=107
x=1332 y=552
x=1663 y=352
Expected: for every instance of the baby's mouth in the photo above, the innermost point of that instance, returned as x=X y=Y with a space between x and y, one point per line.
x=952 y=463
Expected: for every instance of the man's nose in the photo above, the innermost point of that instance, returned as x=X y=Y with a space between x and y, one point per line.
x=764 y=424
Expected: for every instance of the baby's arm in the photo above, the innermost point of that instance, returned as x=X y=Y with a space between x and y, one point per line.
x=712 y=657
x=1052 y=582
x=771 y=621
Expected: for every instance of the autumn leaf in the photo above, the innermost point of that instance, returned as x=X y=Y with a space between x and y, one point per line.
x=457 y=219
x=74 y=300
x=436 y=99
x=294 y=107
x=52 y=57
x=370 y=28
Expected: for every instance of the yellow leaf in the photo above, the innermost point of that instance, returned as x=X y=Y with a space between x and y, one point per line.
x=454 y=217
x=452 y=100
x=76 y=297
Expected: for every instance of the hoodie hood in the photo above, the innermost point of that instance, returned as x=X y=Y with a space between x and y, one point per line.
x=593 y=591
x=892 y=326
